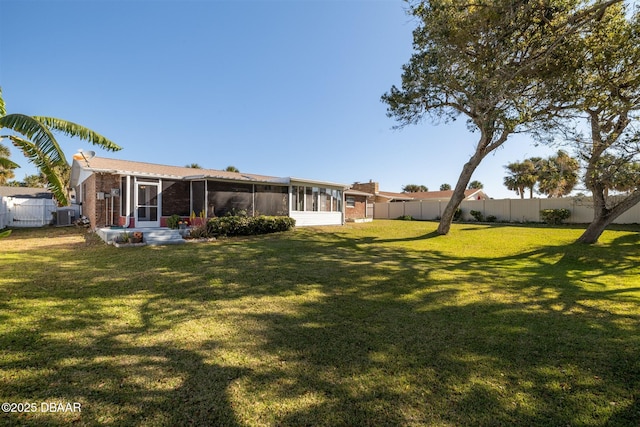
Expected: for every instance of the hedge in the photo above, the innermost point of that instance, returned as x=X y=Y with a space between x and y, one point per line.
x=248 y=226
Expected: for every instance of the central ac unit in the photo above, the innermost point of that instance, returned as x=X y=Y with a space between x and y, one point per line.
x=64 y=216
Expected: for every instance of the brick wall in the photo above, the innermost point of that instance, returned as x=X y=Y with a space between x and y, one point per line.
x=99 y=211
x=359 y=210
x=367 y=187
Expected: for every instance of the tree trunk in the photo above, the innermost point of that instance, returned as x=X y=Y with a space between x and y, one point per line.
x=604 y=216
x=458 y=193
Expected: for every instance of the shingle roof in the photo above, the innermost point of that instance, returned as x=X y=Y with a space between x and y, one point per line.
x=102 y=164
x=26 y=192
x=428 y=195
x=395 y=196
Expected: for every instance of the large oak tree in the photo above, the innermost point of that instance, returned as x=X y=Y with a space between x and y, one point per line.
x=484 y=60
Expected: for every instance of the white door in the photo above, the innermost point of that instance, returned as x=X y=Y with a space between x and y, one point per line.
x=147 y=204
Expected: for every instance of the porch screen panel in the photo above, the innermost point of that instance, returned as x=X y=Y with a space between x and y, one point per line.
x=198 y=199
x=271 y=200
x=229 y=197
x=176 y=198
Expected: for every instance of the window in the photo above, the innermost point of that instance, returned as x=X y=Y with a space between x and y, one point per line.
x=316 y=199
x=351 y=202
x=297 y=198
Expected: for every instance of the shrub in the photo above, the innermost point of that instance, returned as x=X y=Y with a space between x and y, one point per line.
x=405 y=218
x=457 y=215
x=173 y=220
x=477 y=215
x=554 y=216
x=491 y=218
x=247 y=226
x=199 y=232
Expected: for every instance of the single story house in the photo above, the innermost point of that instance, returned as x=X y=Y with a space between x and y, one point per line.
x=137 y=194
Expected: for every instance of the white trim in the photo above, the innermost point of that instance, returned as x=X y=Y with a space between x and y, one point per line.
x=146 y=224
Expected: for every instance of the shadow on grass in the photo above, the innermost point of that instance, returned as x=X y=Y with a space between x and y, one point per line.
x=313 y=328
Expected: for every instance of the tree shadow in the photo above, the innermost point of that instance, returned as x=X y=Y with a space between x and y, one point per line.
x=329 y=330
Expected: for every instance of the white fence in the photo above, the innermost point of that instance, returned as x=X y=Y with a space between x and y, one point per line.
x=26 y=212
x=505 y=210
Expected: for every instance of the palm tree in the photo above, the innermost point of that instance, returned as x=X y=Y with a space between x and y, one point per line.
x=414 y=188
x=475 y=185
x=445 y=187
x=522 y=175
x=232 y=169
x=6 y=165
x=558 y=175
x=41 y=148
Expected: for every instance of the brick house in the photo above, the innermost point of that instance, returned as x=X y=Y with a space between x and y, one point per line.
x=137 y=194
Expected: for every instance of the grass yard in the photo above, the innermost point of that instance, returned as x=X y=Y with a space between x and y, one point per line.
x=375 y=324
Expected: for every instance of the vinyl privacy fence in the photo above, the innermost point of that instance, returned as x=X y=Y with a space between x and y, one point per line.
x=26 y=212
x=504 y=210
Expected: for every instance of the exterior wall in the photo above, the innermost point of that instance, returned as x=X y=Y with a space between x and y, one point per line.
x=366 y=187
x=507 y=210
x=99 y=211
x=100 y=214
x=358 y=211
x=316 y=218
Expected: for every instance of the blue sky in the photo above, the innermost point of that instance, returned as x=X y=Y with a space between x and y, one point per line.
x=283 y=88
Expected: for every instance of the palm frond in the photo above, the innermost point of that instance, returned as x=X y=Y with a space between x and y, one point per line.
x=38 y=133
x=8 y=164
x=48 y=167
x=76 y=130
x=3 y=107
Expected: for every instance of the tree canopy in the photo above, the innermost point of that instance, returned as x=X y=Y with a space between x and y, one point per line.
x=414 y=188
x=484 y=60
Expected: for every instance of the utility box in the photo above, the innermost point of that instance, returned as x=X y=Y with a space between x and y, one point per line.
x=64 y=216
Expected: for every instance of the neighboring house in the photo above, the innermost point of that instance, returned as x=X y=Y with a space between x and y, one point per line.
x=446 y=195
x=372 y=187
x=358 y=206
x=26 y=207
x=387 y=196
x=137 y=194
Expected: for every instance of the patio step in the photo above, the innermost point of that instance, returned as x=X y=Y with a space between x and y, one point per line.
x=165 y=236
x=151 y=236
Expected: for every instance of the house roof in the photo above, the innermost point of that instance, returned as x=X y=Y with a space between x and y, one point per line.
x=353 y=192
x=152 y=170
x=431 y=195
x=395 y=196
x=26 y=192
x=426 y=195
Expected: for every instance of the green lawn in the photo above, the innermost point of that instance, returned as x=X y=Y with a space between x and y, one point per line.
x=371 y=324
